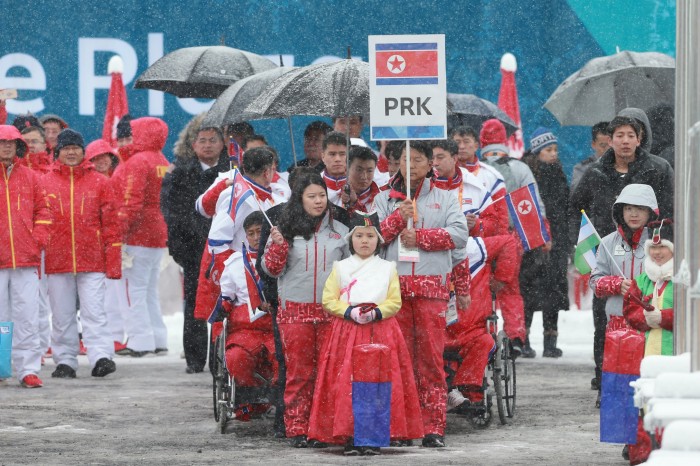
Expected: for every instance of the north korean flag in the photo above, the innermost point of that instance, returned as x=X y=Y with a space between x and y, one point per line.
x=409 y=63
x=527 y=218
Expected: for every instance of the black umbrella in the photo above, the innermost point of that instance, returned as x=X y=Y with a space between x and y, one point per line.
x=606 y=85
x=327 y=89
x=473 y=111
x=230 y=106
x=203 y=72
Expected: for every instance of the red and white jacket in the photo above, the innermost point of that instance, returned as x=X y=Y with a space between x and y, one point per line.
x=495 y=186
x=25 y=217
x=137 y=182
x=85 y=234
x=473 y=198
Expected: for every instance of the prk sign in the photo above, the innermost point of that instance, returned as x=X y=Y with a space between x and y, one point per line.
x=407 y=87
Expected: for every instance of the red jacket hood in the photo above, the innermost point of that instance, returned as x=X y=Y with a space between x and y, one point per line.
x=10 y=133
x=98 y=147
x=149 y=134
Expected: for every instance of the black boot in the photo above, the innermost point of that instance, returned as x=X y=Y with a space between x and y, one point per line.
x=550 y=345
x=528 y=352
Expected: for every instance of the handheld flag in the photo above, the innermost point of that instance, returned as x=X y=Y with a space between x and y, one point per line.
x=527 y=218
x=219 y=234
x=254 y=284
x=235 y=152
x=255 y=290
x=588 y=241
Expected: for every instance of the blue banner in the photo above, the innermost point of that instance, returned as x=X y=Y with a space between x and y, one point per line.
x=56 y=54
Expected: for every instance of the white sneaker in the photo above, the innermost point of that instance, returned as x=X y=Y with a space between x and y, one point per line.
x=454 y=399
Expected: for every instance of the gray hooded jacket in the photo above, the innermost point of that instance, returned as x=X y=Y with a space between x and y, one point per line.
x=615 y=254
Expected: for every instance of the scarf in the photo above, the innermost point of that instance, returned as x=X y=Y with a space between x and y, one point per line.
x=658 y=273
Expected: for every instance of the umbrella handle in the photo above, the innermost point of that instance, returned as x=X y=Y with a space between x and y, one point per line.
x=291 y=138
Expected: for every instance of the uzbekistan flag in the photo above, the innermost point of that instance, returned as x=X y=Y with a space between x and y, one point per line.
x=406 y=64
x=527 y=218
x=588 y=241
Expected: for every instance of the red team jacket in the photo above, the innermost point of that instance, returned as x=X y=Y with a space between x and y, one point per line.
x=24 y=217
x=84 y=234
x=137 y=182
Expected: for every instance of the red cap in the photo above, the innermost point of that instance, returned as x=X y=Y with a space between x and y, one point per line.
x=492 y=132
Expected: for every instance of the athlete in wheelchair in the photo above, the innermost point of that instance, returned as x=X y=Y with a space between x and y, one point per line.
x=479 y=361
x=245 y=365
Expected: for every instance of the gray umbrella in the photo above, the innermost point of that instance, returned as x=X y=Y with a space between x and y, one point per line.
x=606 y=85
x=203 y=72
x=230 y=106
x=473 y=111
x=327 y=89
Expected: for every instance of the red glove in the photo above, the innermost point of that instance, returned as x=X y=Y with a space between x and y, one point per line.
x=113 y=262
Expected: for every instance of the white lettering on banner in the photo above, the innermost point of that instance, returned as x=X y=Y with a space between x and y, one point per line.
x=36 y=81
x=88 y=81
x=156 y=99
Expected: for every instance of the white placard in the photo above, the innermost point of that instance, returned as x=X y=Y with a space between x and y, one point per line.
x=407 y=87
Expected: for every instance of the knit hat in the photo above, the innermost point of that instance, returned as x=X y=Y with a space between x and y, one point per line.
x=68 y=137
x=124 y=127
x=361 y=219
x=662 y=234
x=493 y=137
x=25 y=121
x=51 y=117
x=541 y=138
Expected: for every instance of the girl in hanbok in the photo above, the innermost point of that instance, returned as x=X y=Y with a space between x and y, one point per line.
x=363 y=294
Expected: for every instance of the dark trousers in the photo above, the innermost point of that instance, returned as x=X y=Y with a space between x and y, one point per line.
x=550 y=317
x=277 y=394
x=194 y=336
x=600 y=321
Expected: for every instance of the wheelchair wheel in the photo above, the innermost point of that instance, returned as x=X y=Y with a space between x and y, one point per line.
x=228 y=393
x=497 y=378
x=509 y=378
x=480 y=416
x=218 y=363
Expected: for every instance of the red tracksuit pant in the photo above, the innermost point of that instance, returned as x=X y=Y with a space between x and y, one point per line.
x=247 y=353
x=511 y=301
x=422 y=323
x=302 y=344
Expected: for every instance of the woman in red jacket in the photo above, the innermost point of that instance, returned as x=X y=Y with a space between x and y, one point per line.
x=24 y=222
x=84 y=247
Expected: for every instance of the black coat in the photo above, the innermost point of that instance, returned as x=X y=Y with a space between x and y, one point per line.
x=543 y=280
x=601 y=184
x=187 y=229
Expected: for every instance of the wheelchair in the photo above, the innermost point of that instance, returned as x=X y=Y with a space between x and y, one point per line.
x=231 y=402
x=499 y=382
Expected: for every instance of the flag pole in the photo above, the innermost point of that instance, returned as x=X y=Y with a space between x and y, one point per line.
x=408 y=169
x=605 y=248
x=262 y=210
